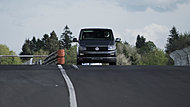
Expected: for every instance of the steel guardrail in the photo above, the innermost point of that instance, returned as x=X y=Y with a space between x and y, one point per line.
x=181 y=57
x=51 y=59
x=24 y=56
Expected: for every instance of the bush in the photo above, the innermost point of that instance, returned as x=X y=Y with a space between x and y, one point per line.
x=156 y=57
x=4 y=50
x=127 y=54
x=122 y=60
x=71 y=55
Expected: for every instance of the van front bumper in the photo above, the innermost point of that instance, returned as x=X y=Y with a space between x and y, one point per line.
x=96 y=56
x=96 y=59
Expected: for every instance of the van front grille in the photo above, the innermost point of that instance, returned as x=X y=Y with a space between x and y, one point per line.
x=100 y=48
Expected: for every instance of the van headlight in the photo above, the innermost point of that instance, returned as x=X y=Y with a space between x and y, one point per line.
x=83 y=48
x=111 y=47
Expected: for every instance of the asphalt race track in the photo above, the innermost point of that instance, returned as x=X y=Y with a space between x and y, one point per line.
x=32 y=86
x=95 y=86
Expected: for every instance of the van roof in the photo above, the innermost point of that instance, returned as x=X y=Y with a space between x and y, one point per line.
x=96 y=28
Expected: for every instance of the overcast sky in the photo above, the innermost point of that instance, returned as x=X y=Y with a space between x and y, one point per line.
x=22 y=19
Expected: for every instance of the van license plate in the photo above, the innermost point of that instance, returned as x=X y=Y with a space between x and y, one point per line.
x=97 y=58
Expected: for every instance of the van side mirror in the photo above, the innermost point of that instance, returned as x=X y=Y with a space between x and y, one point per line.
x=75 y=40
x=118 y=40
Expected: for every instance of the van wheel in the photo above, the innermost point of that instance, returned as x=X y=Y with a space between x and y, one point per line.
x=79 y=63
x=112 y=63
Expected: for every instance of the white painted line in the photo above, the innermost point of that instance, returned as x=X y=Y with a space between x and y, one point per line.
x=72 y=95
x=75 y=66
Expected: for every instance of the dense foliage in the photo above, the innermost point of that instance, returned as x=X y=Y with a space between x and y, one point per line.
x=127 y=54
x=48 y=44
x=150 y=54
x=144 y=53
x=66 y=38
x=155 y=57
x=4 y=50
x=71 y=55
x=140 y=41
x=177 y=41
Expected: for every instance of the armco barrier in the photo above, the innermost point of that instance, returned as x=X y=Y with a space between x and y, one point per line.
x=181 y=57
x=57 y=57
x=176 y=57
x=187 y=50
x=29 y=62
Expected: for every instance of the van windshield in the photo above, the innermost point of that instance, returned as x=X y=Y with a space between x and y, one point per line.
x=96 y=34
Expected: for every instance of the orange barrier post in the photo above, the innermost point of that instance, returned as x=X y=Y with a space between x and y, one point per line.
x=61 y=58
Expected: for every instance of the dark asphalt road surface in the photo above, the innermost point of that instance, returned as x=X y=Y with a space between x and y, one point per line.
x=95 y=86
x=131 y=86
x=32 y=86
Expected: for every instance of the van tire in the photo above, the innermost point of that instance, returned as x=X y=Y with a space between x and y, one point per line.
x=79 y=63
x=112 y=63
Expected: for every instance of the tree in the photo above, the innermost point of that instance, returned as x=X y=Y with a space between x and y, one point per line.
x=29 y=47
x=144 y=47
x=4 y=50
x=48 y=44
x=33 y=46
x=174 y=35
x=127 y=54
x=140 y=41
x=40 y=52
x=122 y=55
x=39 y=44
x=182 y=42
x=66 y=38
x=133 y=54
x=71 y=55
x=119 y=46
x=122 y=60
x=45 y=41
x=53 y=43
x=26 y=50
x=155 y=57
x=147 y=47
x=150 y=54
x=150 y=46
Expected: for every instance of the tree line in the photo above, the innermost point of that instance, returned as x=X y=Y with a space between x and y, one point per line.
x=146 y=52
x=177 y=40
x=4 y=50
x=143 y=53
x=48 y=43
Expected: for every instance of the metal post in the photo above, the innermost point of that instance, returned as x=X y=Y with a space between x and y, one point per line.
x=40 y=62
x=31 y=59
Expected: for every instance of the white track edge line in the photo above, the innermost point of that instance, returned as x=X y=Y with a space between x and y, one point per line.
x=72 y=95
